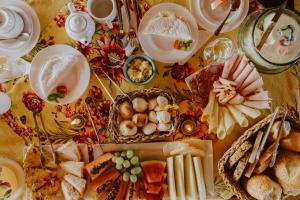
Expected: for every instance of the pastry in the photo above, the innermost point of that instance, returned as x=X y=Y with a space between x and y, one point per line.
x=261 y=187
x=152 y=104
x=162 y=101
x=153 y=117
x=164 y=127
x=239 y=154
x=140 y=120
x=69 y=192
x=32 y=157
x=78 y=183
x=128 y=128
x=291 y=142
x=240 y=168
x=149 y=129
x=286 y=170
x=75 y=168
x=139 y=104
x=126 y=110
x=163 y=117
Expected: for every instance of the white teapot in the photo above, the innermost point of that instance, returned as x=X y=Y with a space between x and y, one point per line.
x=79 y=25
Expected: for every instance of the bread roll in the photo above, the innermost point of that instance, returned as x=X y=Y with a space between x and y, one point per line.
x=149 y=129
x=128 y=128
x=164 y=127
x=261 y=187
x=162 y=101
x=153 y=117
x=152 y=104
x=126 y=110
x=140 y=120
x=139 y=104
x=291 y=142
x=287 y=171
x=163 y=117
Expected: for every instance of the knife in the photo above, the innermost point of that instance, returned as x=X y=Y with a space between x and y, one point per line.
x=271 y=26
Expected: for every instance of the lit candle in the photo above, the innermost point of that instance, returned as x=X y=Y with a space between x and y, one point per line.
x=188 y=127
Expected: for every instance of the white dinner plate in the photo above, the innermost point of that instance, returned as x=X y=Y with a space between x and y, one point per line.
x=77 y=81
x=15 y=176
x=210 y=19
x=161 y=48
x=5 y=103
x=14 y=48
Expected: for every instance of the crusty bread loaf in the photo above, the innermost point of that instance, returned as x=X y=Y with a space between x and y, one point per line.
x=265 y=159
x=261 y=187
x=287 y=171
x=239 y=154
x=291 y=142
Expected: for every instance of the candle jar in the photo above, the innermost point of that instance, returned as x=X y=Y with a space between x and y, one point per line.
x=188 y=127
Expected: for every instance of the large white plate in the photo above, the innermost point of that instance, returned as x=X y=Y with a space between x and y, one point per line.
x=210 y=20
x=19 y=176
x=14 y=48
x=161 y=48
x=78 y=80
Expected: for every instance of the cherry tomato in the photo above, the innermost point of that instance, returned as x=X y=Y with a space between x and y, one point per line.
x=61 y=89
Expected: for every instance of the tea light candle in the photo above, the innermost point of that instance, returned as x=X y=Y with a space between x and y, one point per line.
x=188 y=127
x=77 y=122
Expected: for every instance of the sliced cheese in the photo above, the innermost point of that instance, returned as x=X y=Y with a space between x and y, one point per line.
x=199 y=178
x=214 y=117
x=190 y=180
x=179 y=177
x=171 y=178
x=251 y=112
x=221 y=133
x=238 y=116
x=69 y=192
x=69 y=152
x=78 y=183
x=227 y=120
x=208 y=109
x=72 y=167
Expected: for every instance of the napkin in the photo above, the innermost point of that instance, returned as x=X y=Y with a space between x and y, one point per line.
x=55 y=71
x=11 y=68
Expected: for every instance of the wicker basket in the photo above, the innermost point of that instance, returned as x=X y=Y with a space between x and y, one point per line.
x=114 y=121
x=227 y=173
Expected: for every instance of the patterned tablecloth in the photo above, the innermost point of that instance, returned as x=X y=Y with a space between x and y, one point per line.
x=17 y=125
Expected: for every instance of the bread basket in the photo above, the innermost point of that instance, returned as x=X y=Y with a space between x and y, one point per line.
x=226 y=173
x=113 y=126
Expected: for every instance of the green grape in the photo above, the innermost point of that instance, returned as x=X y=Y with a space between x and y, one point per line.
x=123 y=169
x=130 y=154
x=119 y=161
x=126 y=164
x=126 y=176
x=119 y=167
x=133 y=178
x=123 y=154
x=134 y=160
x=136 y=170
x=117 y=154
x=114 y=159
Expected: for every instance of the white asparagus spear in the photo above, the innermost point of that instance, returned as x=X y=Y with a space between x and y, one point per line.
x=171 y=178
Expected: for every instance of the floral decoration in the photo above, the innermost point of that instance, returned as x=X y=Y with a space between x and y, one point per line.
x=178 y=72
x=32 y=102
x=86 y=50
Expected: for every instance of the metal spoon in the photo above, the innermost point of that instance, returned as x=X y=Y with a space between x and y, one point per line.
x=23 y=37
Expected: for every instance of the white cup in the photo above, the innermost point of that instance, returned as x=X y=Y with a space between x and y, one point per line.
x=103 y=11
x=11 y=24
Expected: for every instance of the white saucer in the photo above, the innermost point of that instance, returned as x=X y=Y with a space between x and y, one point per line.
x=19 y=176
x=5 y=103
x=210 y=20
x=78 y=80
x=14 y=48
x=161 y=48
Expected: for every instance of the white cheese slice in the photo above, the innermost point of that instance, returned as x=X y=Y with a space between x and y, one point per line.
x=72 y=167
x=190 y=180
x=78 y=183
x=171 y=178
x=199 y=178
x=179 y=177
x=69 y=192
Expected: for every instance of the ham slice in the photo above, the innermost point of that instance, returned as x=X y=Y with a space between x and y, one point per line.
x=240 y=67
x=257 y=104
x=229 y=65
x=260 y=96
x=253 y=87
x=238 y=99
x=243 y=75
x=253 y=76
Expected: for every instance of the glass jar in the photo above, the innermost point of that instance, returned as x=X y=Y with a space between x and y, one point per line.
x=269 y=60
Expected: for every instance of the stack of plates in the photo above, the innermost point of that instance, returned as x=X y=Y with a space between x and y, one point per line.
x=210 y=19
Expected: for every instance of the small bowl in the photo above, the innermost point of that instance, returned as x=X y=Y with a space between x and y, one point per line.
x=144 y=57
